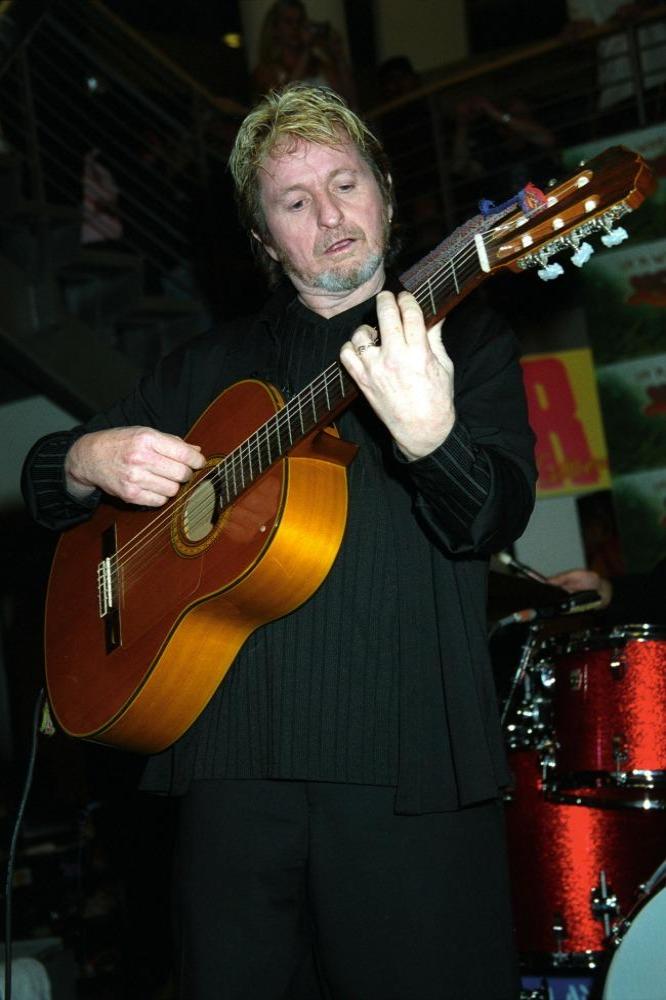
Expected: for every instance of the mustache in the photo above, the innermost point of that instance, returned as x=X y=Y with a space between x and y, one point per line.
x=330 y=240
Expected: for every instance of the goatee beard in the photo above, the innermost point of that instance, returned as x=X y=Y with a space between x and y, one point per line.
x=332 y=281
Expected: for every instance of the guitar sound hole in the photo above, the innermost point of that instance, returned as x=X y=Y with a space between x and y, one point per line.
x=201 y=512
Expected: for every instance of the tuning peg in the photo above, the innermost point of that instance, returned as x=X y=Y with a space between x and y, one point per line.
x=550 y=271
x=614 y=236
x=582 y=254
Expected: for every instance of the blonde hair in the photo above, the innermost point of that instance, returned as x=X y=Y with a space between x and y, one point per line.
x=299 y=111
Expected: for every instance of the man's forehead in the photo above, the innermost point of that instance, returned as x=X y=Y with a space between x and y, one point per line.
x=299 y=158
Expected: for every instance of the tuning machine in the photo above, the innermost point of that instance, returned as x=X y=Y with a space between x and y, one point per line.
x=547 y=271
x=582 y=251
x=614 y=236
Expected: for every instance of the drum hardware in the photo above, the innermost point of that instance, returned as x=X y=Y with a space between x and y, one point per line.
x=612 y=797
x=604 y=902
x=620 y=756
x=560 y=934
x=618 y=665
x=526 y=655
x=547 y=763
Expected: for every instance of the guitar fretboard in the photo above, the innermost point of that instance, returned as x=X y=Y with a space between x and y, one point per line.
x=312 y=407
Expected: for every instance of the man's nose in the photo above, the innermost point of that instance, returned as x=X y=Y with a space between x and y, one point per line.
x=329 y=212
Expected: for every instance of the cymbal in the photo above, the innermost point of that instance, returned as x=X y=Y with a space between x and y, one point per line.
x=508 y=593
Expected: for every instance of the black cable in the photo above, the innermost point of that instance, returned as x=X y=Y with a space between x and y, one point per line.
x=12 y=849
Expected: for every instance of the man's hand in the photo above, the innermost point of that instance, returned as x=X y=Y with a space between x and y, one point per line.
x=408 y=378
x=574 y=580
x=138 y=464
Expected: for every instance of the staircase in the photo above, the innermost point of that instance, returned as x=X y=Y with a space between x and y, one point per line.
x=78 y=323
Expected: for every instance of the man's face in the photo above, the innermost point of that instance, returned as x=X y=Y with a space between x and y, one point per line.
x=327 y=221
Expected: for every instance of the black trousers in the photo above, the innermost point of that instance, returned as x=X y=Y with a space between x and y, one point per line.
x=393 y=907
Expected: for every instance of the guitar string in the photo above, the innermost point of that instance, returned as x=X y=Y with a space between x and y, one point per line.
x=236 y=458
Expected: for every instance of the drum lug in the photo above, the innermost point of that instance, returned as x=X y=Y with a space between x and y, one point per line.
x=620 y=756
x=604 y=902
x=618 y=664
x=559 y=929
x=547 y=761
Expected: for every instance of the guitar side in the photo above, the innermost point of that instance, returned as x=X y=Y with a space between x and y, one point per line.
x=187 y=605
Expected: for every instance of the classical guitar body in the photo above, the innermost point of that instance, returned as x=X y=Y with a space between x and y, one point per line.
x=191 y=581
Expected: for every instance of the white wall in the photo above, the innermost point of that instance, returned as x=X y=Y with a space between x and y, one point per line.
x=22 y=422
x=431 y=32
x=552 y=541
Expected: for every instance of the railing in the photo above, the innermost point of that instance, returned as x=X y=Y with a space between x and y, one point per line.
x=86 y=81
x=450 y=143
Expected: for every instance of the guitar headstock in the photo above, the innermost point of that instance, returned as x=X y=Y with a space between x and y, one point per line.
x=589 y=201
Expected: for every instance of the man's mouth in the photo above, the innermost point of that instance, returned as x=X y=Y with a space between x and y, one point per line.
x=340 y=246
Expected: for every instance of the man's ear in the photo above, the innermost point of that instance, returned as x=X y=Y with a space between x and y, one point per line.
x=267 y=247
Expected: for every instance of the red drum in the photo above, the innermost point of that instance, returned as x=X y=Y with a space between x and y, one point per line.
x=608 y=710
x=571 y=865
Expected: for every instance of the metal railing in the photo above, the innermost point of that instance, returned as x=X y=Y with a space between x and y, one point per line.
x=447 y=151
x=86 y=81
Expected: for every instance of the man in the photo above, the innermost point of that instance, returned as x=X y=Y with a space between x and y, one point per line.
x=342 y=784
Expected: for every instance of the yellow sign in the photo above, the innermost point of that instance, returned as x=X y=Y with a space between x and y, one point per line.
x=565 y=416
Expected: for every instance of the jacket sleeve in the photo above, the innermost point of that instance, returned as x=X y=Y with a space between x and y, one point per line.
x=170 y=399
x=475 y=492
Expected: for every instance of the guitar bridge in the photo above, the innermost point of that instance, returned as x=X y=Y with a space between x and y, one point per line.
x=107 y=590
x=104 y=587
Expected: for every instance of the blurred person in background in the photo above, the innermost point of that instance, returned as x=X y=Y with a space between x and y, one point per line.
x=293 y=48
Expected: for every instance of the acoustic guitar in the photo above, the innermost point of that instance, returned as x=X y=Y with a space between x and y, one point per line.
x=146 y=611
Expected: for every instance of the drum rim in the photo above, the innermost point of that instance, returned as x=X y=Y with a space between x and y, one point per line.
x=557 y=961
x=569 y=642
x=645 y=778
x=584 y=797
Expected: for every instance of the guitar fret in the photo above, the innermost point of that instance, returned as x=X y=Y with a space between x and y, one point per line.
x=433 y=307
x=226 y=481
x=288 y=413
x=300 y=412
x=313 y=404
x=341 y=379
x=240 y=467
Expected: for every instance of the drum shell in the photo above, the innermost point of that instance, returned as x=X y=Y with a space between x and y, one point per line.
x=608 y=706
x=556 y=853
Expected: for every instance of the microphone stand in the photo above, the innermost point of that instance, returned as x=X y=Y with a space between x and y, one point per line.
x=526 y=655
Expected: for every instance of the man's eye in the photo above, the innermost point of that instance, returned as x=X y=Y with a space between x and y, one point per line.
x=295 y=205
x=346 y=187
